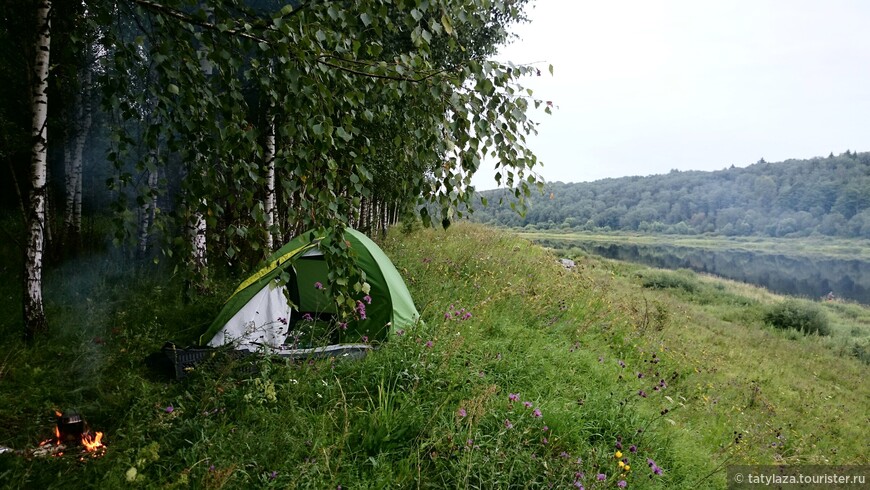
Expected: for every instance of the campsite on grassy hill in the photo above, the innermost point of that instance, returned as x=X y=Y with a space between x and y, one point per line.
x=521 y=373
x=312 y=244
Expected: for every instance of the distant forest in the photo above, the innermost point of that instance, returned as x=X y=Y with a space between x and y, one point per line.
x=827 y=196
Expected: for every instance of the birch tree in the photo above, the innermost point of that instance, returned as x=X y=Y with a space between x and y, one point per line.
x=73 y=164
x=357 y=88
x=34 y=314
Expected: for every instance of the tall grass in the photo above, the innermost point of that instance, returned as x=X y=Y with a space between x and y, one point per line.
x=521 y=374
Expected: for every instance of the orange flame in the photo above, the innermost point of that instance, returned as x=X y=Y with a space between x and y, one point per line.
x=92 y=443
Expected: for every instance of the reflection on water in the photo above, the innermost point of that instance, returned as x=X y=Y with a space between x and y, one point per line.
x=797 y=276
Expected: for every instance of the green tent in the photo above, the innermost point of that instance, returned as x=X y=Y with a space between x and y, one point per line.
x=263 y=315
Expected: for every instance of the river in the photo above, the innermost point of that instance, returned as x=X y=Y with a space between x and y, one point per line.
x=791 y=275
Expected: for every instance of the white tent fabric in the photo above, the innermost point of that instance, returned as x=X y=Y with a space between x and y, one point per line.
x=259 y=325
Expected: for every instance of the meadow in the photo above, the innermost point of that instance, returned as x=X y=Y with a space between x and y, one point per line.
x=522 y=374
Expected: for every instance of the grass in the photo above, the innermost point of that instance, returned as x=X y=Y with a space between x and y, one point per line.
x=795 y=397
x=508 y=335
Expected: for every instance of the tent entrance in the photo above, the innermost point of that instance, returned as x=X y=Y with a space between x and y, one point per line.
x=311 y=276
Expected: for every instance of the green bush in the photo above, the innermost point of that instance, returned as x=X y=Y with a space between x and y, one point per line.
x=657 y=279
x=803 y=316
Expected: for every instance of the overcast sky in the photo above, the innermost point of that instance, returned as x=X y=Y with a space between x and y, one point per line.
x=645 y=86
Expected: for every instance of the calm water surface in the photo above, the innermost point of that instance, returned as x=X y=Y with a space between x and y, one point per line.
x=792 y=275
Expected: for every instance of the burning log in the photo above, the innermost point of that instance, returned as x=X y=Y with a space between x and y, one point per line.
x=71 y=435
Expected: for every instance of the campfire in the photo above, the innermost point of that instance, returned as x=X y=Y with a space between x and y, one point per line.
x=71 y=434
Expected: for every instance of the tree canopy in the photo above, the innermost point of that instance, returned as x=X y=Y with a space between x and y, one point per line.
x=233 y=121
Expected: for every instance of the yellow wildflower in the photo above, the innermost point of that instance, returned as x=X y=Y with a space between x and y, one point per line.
x=618 y=454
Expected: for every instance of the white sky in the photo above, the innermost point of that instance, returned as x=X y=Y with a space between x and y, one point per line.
x=645 y=86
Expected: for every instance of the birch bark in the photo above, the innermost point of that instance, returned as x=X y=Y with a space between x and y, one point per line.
x=270 y=184
x=34 y=314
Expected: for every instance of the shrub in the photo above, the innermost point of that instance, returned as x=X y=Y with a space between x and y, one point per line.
x=657 y=279
x=802 y=316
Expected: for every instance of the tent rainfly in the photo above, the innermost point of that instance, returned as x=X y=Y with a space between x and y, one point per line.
x=263 y=315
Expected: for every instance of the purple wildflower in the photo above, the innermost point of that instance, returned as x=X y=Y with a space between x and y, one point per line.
x=632 y=448
x=601 y=476
x=641 y=393
x=307 y=317
x=367 y=299
x=211 y=468
x=621 y=364
x=273 y=475
x=342 y=325
x=545 y=428
x=169 y=409
x=466 y=316
x=639 y=375
x=470 y=442
x=565 y=455
x=318 y=285
x=508 y=424
x=428 y=344
x=447 y=315
x=537 y=413
x=578 y=485
x=527 y=404
x=545 y=441
x=513 y=397
x=462 y=412
x=365 y=339
x=621 y=483
x=619 y=445
x=361 y=309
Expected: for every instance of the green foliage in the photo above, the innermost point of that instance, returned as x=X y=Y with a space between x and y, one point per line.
x=369 y=100
x=804 y=316
x=660 y=279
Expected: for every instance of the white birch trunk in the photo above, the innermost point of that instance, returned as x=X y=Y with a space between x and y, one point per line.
x=73 y=212
x=34 y=314
x=362 y=213
x=270 y=184
x=69 y=186
x=198 y=231
x=376 y=217
x=147 y=214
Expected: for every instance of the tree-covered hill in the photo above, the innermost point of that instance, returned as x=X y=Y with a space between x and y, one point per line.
x=828 y=196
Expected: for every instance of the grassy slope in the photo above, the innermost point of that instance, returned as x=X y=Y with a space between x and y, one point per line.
x=556 y=338
x=796 y=399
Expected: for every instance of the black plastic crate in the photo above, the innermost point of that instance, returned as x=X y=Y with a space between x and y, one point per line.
x=185 y=360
